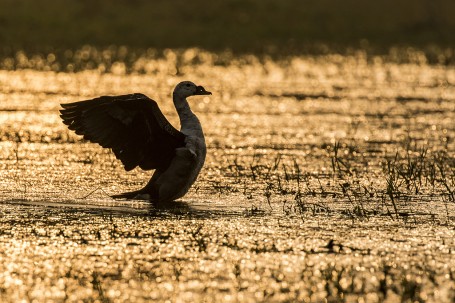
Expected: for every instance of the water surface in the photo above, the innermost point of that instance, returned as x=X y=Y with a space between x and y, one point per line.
x=327 y=178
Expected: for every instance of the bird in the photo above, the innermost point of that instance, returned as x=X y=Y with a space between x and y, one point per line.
x=139 y=135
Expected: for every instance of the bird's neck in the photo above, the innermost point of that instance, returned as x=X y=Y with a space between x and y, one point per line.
x=189 y=123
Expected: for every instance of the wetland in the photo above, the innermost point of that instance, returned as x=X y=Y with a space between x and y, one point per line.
x=328 y=178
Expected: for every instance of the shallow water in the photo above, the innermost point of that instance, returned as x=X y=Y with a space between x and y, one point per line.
x=326 y=178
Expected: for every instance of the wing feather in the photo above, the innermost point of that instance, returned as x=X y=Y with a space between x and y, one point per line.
x=132 y=126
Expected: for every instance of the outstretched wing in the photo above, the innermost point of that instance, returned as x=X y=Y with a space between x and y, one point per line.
x=132 y=125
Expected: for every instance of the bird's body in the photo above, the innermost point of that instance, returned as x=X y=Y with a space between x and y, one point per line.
x=139 y=135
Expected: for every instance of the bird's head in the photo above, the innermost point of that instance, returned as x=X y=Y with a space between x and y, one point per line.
x=187 y=89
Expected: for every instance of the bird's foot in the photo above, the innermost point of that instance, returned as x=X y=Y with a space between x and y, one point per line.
x=134 y=195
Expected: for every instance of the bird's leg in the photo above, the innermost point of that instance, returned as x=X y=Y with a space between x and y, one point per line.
x=148 y=192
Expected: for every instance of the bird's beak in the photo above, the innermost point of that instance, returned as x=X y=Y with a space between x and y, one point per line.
x=201 y=91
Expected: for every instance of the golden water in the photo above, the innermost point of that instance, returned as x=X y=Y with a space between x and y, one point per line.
x=300 y=152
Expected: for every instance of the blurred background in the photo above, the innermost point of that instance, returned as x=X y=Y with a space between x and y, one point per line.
x=261 y=27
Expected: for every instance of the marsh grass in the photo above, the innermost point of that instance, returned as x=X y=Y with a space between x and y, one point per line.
x=412 y=174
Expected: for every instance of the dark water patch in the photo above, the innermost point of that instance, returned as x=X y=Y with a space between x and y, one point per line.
x=298 y=96
x=337 y=97
x=33 y=110
x=37 y=90
x=416 y=98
